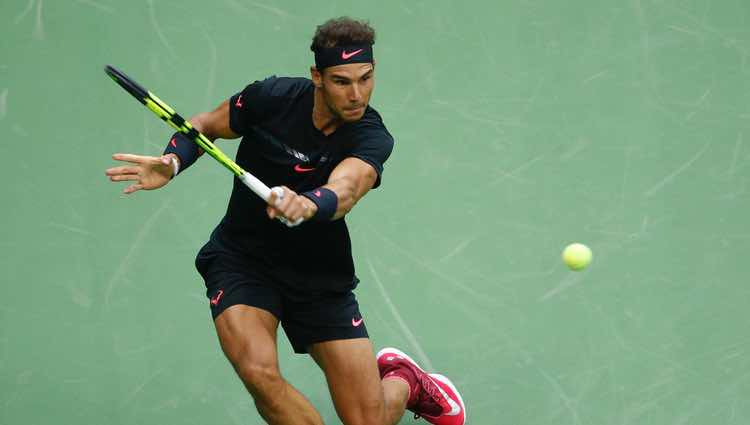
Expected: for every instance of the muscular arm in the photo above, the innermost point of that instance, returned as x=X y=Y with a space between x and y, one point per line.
x=152 y=172
x=214 y=124
x=350 y=181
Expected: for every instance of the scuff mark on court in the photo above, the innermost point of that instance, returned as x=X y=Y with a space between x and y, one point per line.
x=140 y=388
x=274 y=10
x=567 y=282
x=38 y=33
x=155 y=26
x=3 y=103
x=96 y=5
x=595 y=76
x=658 y=186
x=514 y=173
x=460 y=285
x=125 y=263
x=570 y=403
x=737 y=150
x=70 y=228
x=426 y=363
x=25 y=12
x=459 y=248
x=212 y=60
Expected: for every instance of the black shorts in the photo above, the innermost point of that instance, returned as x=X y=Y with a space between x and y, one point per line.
x=306 y=317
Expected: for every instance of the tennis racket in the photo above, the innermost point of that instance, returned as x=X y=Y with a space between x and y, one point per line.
x=168 y=115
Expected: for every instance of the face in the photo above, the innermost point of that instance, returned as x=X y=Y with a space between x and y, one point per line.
x=346 y=89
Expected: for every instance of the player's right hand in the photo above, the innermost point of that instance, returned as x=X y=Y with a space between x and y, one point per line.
x=148 y=172
x=292 y=207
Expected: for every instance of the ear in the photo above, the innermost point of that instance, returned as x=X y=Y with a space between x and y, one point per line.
x=316 y=77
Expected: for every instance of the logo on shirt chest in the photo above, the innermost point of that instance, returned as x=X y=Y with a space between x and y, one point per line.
x=273 y=149
x=303 y=169
x=306 y=168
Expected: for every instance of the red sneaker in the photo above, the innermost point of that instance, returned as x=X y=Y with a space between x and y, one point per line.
x=432 y=396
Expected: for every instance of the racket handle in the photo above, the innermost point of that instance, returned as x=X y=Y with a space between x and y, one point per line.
x=255 y=185
x=260 y=189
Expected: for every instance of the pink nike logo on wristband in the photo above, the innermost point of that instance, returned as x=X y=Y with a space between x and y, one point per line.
x=300 y=169
x=346 y=56
x=317 y=193
x=356 y=323
x=238 y=103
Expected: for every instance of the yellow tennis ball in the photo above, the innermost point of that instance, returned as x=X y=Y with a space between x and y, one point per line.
x=577 y=256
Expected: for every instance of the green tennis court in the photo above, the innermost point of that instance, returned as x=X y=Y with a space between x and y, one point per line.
x=520 y=126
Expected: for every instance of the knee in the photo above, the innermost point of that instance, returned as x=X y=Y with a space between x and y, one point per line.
x=261 y=379
x=370 y=411
x=395 y=401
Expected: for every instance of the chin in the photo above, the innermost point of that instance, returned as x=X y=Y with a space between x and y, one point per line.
x=348 y=116
x=354 y=119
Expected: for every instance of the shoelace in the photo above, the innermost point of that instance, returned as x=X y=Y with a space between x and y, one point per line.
x=429 y=393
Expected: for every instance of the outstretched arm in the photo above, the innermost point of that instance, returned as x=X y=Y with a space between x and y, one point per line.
x=153 y=172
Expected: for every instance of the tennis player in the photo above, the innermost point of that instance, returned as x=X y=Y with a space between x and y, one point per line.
x=325 y=146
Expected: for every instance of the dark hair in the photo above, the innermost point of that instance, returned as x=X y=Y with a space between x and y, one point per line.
x=343 y=31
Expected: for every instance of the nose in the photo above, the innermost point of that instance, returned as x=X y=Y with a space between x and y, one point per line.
x=355 y=94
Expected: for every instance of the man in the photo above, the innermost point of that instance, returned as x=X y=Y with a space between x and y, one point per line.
x=325 y=146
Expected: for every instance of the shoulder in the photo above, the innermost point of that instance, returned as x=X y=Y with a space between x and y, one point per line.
x=283 y=87
x=369 y=139
x=264 y=99
x=371 y=126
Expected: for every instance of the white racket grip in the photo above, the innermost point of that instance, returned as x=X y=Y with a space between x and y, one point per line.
x=256 y=185
x=264 y=192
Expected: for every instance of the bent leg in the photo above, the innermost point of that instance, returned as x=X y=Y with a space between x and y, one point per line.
x=248 y=339
x=353 y=379
x=396 y=393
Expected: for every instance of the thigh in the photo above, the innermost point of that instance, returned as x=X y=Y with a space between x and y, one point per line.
x=248 y=338
x=353 y=379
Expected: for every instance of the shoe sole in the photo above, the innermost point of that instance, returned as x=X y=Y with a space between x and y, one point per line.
x=437 y=376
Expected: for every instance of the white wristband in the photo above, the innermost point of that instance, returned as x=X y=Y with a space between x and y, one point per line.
x=175 y=165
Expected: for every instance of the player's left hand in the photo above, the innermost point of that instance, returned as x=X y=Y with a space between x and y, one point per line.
x=291 y=206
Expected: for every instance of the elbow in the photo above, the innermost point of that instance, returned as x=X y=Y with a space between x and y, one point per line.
x=201 y=123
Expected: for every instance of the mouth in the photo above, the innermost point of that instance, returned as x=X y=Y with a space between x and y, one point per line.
x=354 y=110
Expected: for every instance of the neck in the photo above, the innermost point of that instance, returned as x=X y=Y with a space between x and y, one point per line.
x=322 y=117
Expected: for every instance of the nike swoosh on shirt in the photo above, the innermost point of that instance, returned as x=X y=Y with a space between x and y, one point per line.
x=238 y=103
x=300 y=169
x=356 y=323
x=346 y=56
